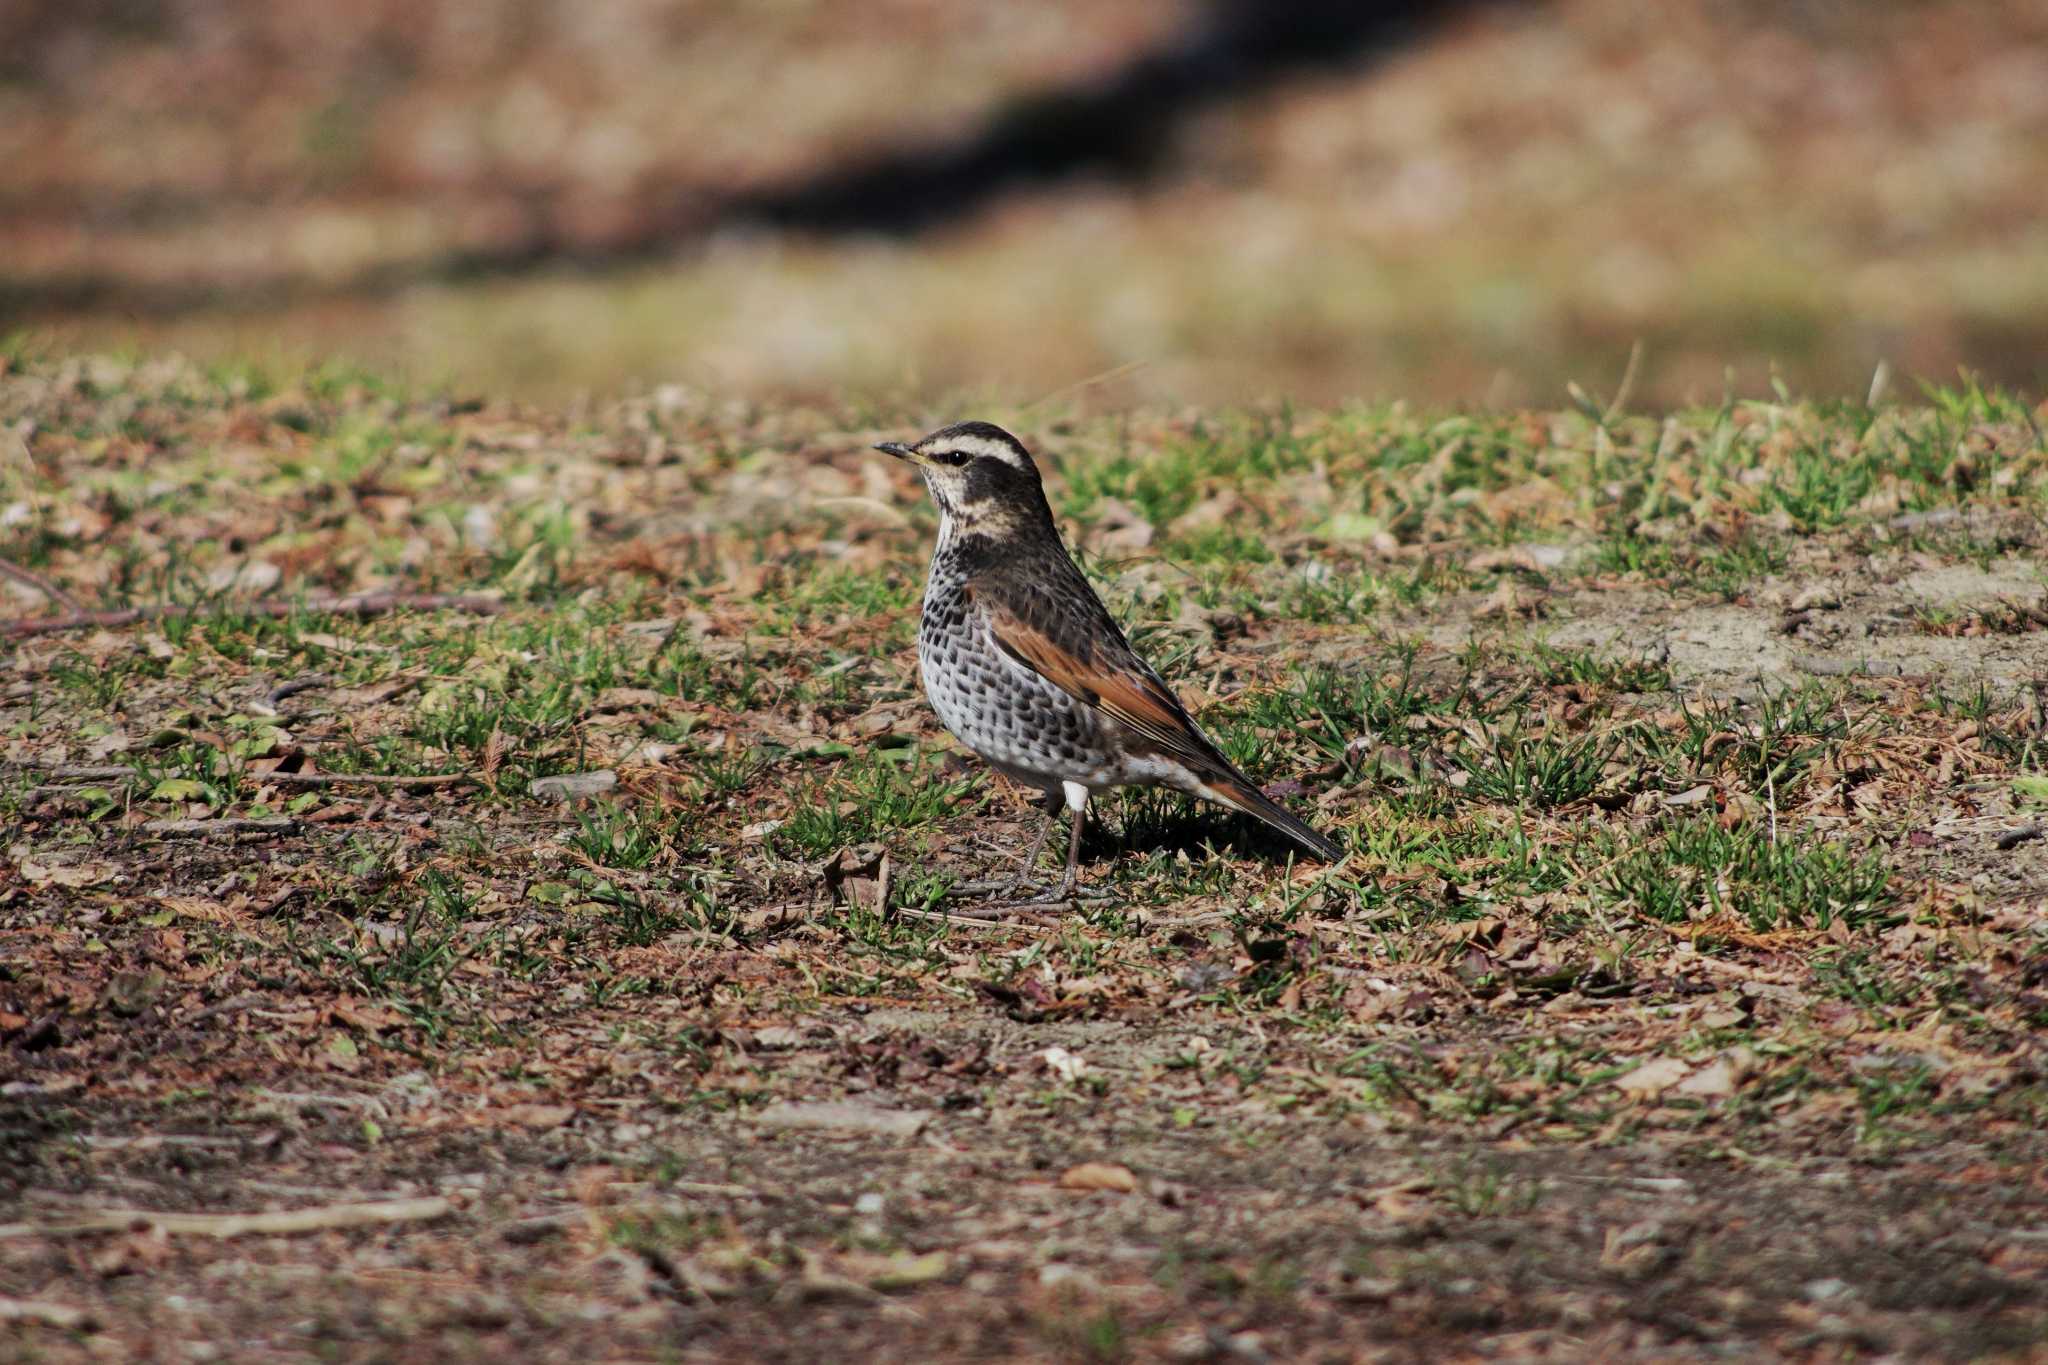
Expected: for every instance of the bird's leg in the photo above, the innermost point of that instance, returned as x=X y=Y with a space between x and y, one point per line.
x=1009 y=886
x=1068 y=889
x=1066 y=886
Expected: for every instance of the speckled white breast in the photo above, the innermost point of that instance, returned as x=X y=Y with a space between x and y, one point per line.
x=1003 y=711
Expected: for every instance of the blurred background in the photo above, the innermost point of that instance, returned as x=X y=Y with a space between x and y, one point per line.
x=1187 y=200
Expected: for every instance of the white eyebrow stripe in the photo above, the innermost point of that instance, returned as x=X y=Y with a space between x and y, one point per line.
x=981 y=446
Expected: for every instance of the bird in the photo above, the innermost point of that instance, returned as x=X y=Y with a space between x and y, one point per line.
x=1027 y=668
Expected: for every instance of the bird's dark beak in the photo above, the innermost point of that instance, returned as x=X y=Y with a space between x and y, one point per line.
x=907 y=454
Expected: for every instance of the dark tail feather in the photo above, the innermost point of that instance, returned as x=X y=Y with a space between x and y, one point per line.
x=1243 y=796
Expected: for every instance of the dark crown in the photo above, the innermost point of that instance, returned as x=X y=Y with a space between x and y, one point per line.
x=986 y=431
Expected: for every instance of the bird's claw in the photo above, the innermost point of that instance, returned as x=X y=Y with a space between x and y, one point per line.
x=1000 y=888
x=1004 y=897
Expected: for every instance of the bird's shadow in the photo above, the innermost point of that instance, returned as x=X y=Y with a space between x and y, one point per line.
x=1145 y=822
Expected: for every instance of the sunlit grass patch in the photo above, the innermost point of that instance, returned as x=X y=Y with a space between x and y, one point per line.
x=1543 y=769
x=1695 y=869
x=412 y=963
x=737 y=680
x=822 y=593
x=1322 y=594
x=1221 y=544
x=1600 y=669
x=2004 y=617
x=1574 y=873
x=2010 y=728
x=1769 y=744
x=622 y=835
x=1723 y=570
x=886 y=794
x=1333 y=708
x=757 y=667
x=1162 y=484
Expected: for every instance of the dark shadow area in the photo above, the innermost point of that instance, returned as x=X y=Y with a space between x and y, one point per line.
x=1160 y=821
x=1120 y=127
x=26 y=1126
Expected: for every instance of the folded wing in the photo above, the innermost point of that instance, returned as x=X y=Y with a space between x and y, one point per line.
x=1092 y=663
x=1089 y=659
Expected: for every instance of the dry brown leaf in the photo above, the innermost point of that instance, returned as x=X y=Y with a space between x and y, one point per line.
x=367 y=1018
x=1652 y=1077
x=1513 y=600
x=495 y=745
x=1715 y=1080
x=1099 y=1175
x=1120 y=527
x=536 y=1115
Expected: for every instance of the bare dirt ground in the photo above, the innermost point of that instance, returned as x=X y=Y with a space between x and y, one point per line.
x=1681 y=997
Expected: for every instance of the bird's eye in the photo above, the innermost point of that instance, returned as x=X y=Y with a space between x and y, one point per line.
x=956 y=458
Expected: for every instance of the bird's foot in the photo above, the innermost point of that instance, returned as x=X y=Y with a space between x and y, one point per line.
x=1061 y=898
x=996 y=888
x=1015 y=896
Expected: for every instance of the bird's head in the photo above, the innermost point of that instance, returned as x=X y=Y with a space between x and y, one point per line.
x=981 y=477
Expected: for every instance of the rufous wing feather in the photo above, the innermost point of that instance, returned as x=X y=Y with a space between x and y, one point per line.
x=1124 y=688
x=1118 y=682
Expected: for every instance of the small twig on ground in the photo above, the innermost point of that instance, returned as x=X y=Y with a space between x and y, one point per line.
x=363 y=779
x=526 y=1231
x=1204 y=920
x=292 y=1099
x=150 y=1142
x=29 y=578
x=291 y=687
x=241 y=1224
x=275 y=824
x=964 y=921
x=2033 y=612
x=1101 y=377
x=232 y=1005
x=279 y=901
x=357 y=604
x=714 y=1187
x=48 y=1314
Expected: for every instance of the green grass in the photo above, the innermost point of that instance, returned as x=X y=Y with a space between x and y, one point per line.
x=1164 y=483
x=1486 y=1189
x=2006 y=727
x=1354 y=596
x=1516 y=768
x=1329 y=707
x=1468 y=779
x=888 y=794
x=412 y=966
x=818 y=594
x=1769 y=744
x=1727 y=572
x=1693 y=869
x=1562 y=860
x=1601 y=670
x=631 y=837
